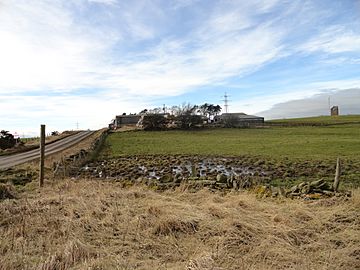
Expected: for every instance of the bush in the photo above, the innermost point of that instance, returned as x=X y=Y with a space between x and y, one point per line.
x=7 y=140
x=154 y=122
x=188 y=121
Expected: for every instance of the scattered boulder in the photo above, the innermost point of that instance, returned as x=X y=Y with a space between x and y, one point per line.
x=221 y=178
x=308 y=190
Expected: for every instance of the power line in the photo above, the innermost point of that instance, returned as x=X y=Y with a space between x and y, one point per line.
x=226 y=102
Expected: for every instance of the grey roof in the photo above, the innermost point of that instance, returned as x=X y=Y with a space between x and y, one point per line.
x=241 y=116
x=128 y=115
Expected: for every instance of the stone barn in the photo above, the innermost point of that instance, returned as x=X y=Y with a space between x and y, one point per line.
x=240 y=119
x=126 y=120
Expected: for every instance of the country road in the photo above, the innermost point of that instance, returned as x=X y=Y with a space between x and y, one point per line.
x=16 y=159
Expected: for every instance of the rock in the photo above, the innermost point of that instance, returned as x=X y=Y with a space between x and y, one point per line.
x=301 y=185
x=221 y=178
x=305 y=189
x=235 y=185
x=282 y=192
x=166 y=178
x=230 y=181
x=328 y=193
x=193 y=170
x=294 y=188
x=313 y=196
x=274 y=192
x=317 y=183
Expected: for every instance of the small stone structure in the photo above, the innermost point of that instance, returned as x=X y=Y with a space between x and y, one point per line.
x=334 y=110
x=124 y=120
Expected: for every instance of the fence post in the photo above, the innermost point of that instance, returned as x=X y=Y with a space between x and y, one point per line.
x=42 y=155
x=337 y=175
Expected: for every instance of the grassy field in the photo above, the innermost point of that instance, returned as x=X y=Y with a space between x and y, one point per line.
x=103 y=225
x=320 y=120
x=290 y=153
x=95 y=224
x=304 y=143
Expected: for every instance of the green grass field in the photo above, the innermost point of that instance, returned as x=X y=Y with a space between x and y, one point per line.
x=325 y=142
x=294 y=153
x=319 y=120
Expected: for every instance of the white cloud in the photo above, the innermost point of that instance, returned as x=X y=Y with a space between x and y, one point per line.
x=41 y=48
x=50 y=52
x=177 y=4
x=348 y=101
x=334 y=40
x=128 y=53
x=107 y=2
x=24 y=114
x=263 y=105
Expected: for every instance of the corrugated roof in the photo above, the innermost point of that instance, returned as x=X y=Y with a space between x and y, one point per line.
x=241 y=116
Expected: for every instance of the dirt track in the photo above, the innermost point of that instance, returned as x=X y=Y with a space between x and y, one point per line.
x=16 y=159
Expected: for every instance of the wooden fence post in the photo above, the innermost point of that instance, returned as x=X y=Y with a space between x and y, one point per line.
x=42 y=155
x=337 y=175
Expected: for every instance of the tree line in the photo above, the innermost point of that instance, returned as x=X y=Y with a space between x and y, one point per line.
x=185 y=116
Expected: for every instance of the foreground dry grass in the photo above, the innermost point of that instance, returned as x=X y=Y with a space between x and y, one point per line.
x=101 y=225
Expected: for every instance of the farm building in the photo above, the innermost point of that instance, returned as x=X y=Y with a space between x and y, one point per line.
x=240 y=119
x=124 y=120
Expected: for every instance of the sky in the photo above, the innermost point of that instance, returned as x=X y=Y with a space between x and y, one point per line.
x=77 y=63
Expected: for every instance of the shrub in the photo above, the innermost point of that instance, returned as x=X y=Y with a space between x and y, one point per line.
x=187 y=121
x=154 y=122
x=7 y=140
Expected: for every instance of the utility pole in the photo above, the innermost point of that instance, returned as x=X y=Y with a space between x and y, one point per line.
x=77 y=125
x=329 y=104
x=42 y=155
x=164 y=108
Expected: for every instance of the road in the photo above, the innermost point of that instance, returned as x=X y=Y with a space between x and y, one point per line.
x=16 y=159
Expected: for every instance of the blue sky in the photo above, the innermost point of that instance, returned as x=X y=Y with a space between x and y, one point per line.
x=63 y=62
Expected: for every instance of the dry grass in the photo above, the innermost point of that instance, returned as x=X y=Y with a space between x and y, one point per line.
x=84 y=144
x=7 y=191
x=102 y=225
x=49 y=160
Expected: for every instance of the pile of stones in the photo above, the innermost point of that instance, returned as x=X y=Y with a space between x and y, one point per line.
x=308 y=190
x=173 y=170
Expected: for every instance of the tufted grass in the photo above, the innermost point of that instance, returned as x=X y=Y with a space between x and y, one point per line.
x=88 y=224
